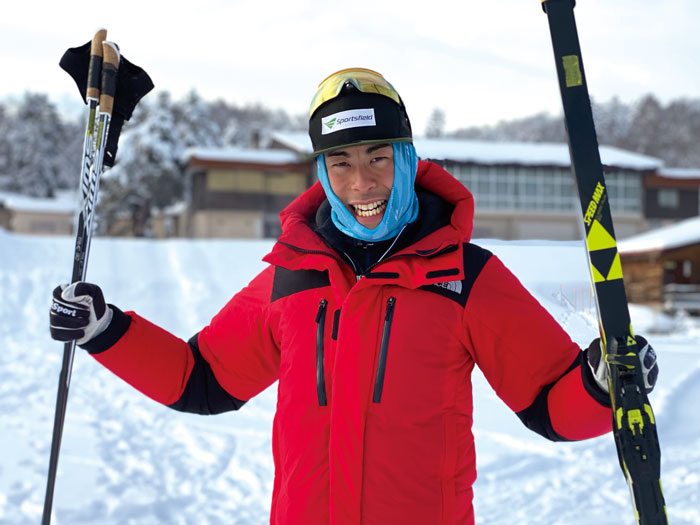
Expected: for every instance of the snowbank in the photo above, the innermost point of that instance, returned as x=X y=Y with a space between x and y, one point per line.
x=126 y=459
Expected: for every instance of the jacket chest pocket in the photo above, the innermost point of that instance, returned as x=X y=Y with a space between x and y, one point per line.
x=320 y=353
x=382 y=357
x=383 y=350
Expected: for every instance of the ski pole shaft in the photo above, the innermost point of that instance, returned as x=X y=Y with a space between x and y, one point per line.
x=101 y=87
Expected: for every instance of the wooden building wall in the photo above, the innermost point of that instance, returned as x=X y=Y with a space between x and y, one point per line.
x=646 y=275
x=643 y=278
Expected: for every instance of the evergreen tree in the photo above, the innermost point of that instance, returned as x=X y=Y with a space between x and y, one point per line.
x=540 y=127
x=194 y=125
x=612 y=121
x=146 y=173
x=436 y=124
x=645 y=126
x=4 y=148
x=39 y=149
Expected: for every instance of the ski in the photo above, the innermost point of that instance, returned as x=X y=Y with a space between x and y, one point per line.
x=634 y=426
x=101 y=88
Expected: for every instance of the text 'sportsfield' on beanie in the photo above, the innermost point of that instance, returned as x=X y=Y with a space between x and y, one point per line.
x=359 y=106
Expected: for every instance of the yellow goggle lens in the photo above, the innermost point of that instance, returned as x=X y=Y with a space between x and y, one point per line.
x=365 y=80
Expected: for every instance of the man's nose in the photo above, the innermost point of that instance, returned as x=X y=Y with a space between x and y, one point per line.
x=363 y=179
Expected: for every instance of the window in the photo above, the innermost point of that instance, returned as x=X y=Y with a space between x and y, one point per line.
x=540 y=188
x=251 y=181
x=624 y=191
x=286 y=184
x=668 y=198
x=42 y=226
x=236 y=180
x=518 y=187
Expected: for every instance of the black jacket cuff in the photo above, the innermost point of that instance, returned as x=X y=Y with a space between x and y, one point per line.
x=591 y=385
x=116 y=329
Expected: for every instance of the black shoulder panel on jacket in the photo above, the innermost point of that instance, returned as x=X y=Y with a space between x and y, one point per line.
x=288 y=282
x=475 y=258
x=203 y=394
x=536 y=416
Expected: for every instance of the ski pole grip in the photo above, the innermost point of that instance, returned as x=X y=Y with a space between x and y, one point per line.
x=95 y=66
x=110 y=66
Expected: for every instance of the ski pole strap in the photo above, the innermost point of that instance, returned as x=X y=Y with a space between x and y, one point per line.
x=95 y=67
x=110 y=66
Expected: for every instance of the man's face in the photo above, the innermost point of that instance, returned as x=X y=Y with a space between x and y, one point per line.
x=361 y=177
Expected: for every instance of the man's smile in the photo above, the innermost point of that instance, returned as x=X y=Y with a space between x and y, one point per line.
x=370 y=209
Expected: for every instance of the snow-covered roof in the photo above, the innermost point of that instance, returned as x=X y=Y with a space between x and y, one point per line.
x=231 y=154
x=525 y=153
x=65 y=203
x=298 y=141
x=490 y=152
x=680 y=173
x=175 y=209
x=683 y=233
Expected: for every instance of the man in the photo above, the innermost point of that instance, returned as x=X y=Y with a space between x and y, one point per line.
x=372 y=314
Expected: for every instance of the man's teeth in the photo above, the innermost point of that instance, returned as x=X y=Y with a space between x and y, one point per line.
x=368 y=210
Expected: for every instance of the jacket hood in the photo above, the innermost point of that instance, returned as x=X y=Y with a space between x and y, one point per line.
x=296 y=217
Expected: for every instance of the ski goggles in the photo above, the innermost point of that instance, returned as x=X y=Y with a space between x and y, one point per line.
x=365 y=80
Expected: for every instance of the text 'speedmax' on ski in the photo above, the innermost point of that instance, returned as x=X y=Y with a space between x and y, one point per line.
x=634 y=426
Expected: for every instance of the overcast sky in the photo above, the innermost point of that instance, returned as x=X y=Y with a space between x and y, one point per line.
x=479 y=61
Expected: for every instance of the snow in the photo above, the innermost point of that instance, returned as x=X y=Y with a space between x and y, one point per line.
x=126 y=459
x=60 y=204
x=680 y=173
x=233 y=154
x=491 y=152
x=298 y=141
x=524 y=153
x=676 y=235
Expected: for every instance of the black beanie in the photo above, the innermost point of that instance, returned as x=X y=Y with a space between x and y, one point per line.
x=354 y=118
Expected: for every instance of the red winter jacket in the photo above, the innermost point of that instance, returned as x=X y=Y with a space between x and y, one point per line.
x=374 y=412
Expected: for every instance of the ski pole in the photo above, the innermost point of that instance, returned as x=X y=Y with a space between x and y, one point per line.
x=102 y=77
x=634 y=425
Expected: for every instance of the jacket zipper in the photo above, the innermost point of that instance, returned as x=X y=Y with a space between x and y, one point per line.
x=320 y=376
x=383 y=348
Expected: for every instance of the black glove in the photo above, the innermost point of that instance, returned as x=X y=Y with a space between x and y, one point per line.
x=78 y=312
x=647 y=358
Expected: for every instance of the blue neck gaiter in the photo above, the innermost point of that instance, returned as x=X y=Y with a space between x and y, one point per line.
x=401 y=209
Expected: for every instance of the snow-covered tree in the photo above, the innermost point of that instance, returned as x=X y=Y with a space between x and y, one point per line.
x=146 y=172
x=645 y=125
x=194 y=124
x=540 y=127
x=612 y=121
x=436 y=124
x=40 y=153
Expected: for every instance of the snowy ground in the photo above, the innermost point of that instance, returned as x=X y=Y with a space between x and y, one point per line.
x=128 y=460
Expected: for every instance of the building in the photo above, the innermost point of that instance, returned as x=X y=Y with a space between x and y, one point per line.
x=526 y=190
x=662 y=267
x=236 y=192
x=671 y=194
x=40 y=216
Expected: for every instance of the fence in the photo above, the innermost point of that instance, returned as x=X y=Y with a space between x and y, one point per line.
x=682 y=297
